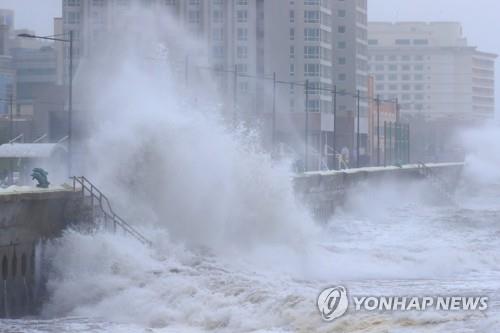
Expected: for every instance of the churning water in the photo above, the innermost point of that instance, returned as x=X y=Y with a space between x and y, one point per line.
x=233 y=250
x=110 y=283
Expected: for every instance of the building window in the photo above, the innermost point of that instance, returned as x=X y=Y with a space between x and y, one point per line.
x=393 y=67
x=73 y=18
x=311 y=52
x=342 y=60
x=217 y=16
x=393 y=77
x=243 y=86
x=242 y=2
x=341 y=29
x=311 y=34
x=242 y=34
x=292 y=34
x=292 y=52
x=341 y=45
x=292 y=16
x=242 y=52
x=311 y=16
x=420 y=42
x=372 y=42
x=419 y=67
x=379 y=58
x=405 y=67
x=72 y=3
x=292 y=69
x=242 y=68
x=218 y=52
x=342 y=77
x=311 y=70
x=242 y=16
x=313 y=105
x=341 y=13
x=402 y=42
x=194 y=16
x=98 y=3
x=379 y=67
x=405 y=77
x=218 y=34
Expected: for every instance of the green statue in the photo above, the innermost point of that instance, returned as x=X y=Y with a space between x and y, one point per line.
x=40 y=176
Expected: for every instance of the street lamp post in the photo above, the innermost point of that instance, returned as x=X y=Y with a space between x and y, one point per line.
x=70 y=98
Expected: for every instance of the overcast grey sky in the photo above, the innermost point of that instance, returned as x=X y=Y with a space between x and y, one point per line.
x=480 y=18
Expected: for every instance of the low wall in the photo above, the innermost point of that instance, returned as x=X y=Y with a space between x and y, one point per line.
x=325 y=191
x=27 y=219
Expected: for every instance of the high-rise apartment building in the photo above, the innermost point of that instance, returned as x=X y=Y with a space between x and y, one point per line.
x=322 y=42
x=431 y=69
x=350 y=70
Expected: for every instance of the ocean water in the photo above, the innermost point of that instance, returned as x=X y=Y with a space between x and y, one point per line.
x=109 y=283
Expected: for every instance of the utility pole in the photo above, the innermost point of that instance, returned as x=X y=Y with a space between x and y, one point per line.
x=334 y=126
x=186 y=70
x=397 y=110
x=235 y=95
x=378 y=130
x=70 y=107
x=408 y=142
x=11 y=136
x=390 y=142
x=306 y=139
x=385 y=143
x=358 y=134
x=274 y=116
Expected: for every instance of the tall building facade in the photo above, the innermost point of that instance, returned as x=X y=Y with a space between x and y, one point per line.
x=321 y=42
x=431 y=69
x=7 y=72
x=350 y=74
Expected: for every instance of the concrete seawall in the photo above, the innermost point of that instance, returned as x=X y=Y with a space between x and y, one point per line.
x=323 y=192
x=27 y=219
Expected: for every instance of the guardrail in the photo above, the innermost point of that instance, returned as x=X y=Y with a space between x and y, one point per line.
x=96 y=196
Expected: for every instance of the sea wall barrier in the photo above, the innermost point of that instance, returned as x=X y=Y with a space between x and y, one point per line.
x=28 y=218
x=323 y=191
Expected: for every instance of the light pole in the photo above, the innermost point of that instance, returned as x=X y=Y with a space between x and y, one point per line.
x=358 y=134
x=70 y=98
x=378 y=130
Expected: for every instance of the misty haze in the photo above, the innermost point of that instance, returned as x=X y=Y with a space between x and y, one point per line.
x=249 y=166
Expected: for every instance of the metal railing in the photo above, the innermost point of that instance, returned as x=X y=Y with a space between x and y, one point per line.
x=437 y=182
x=96 y=196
